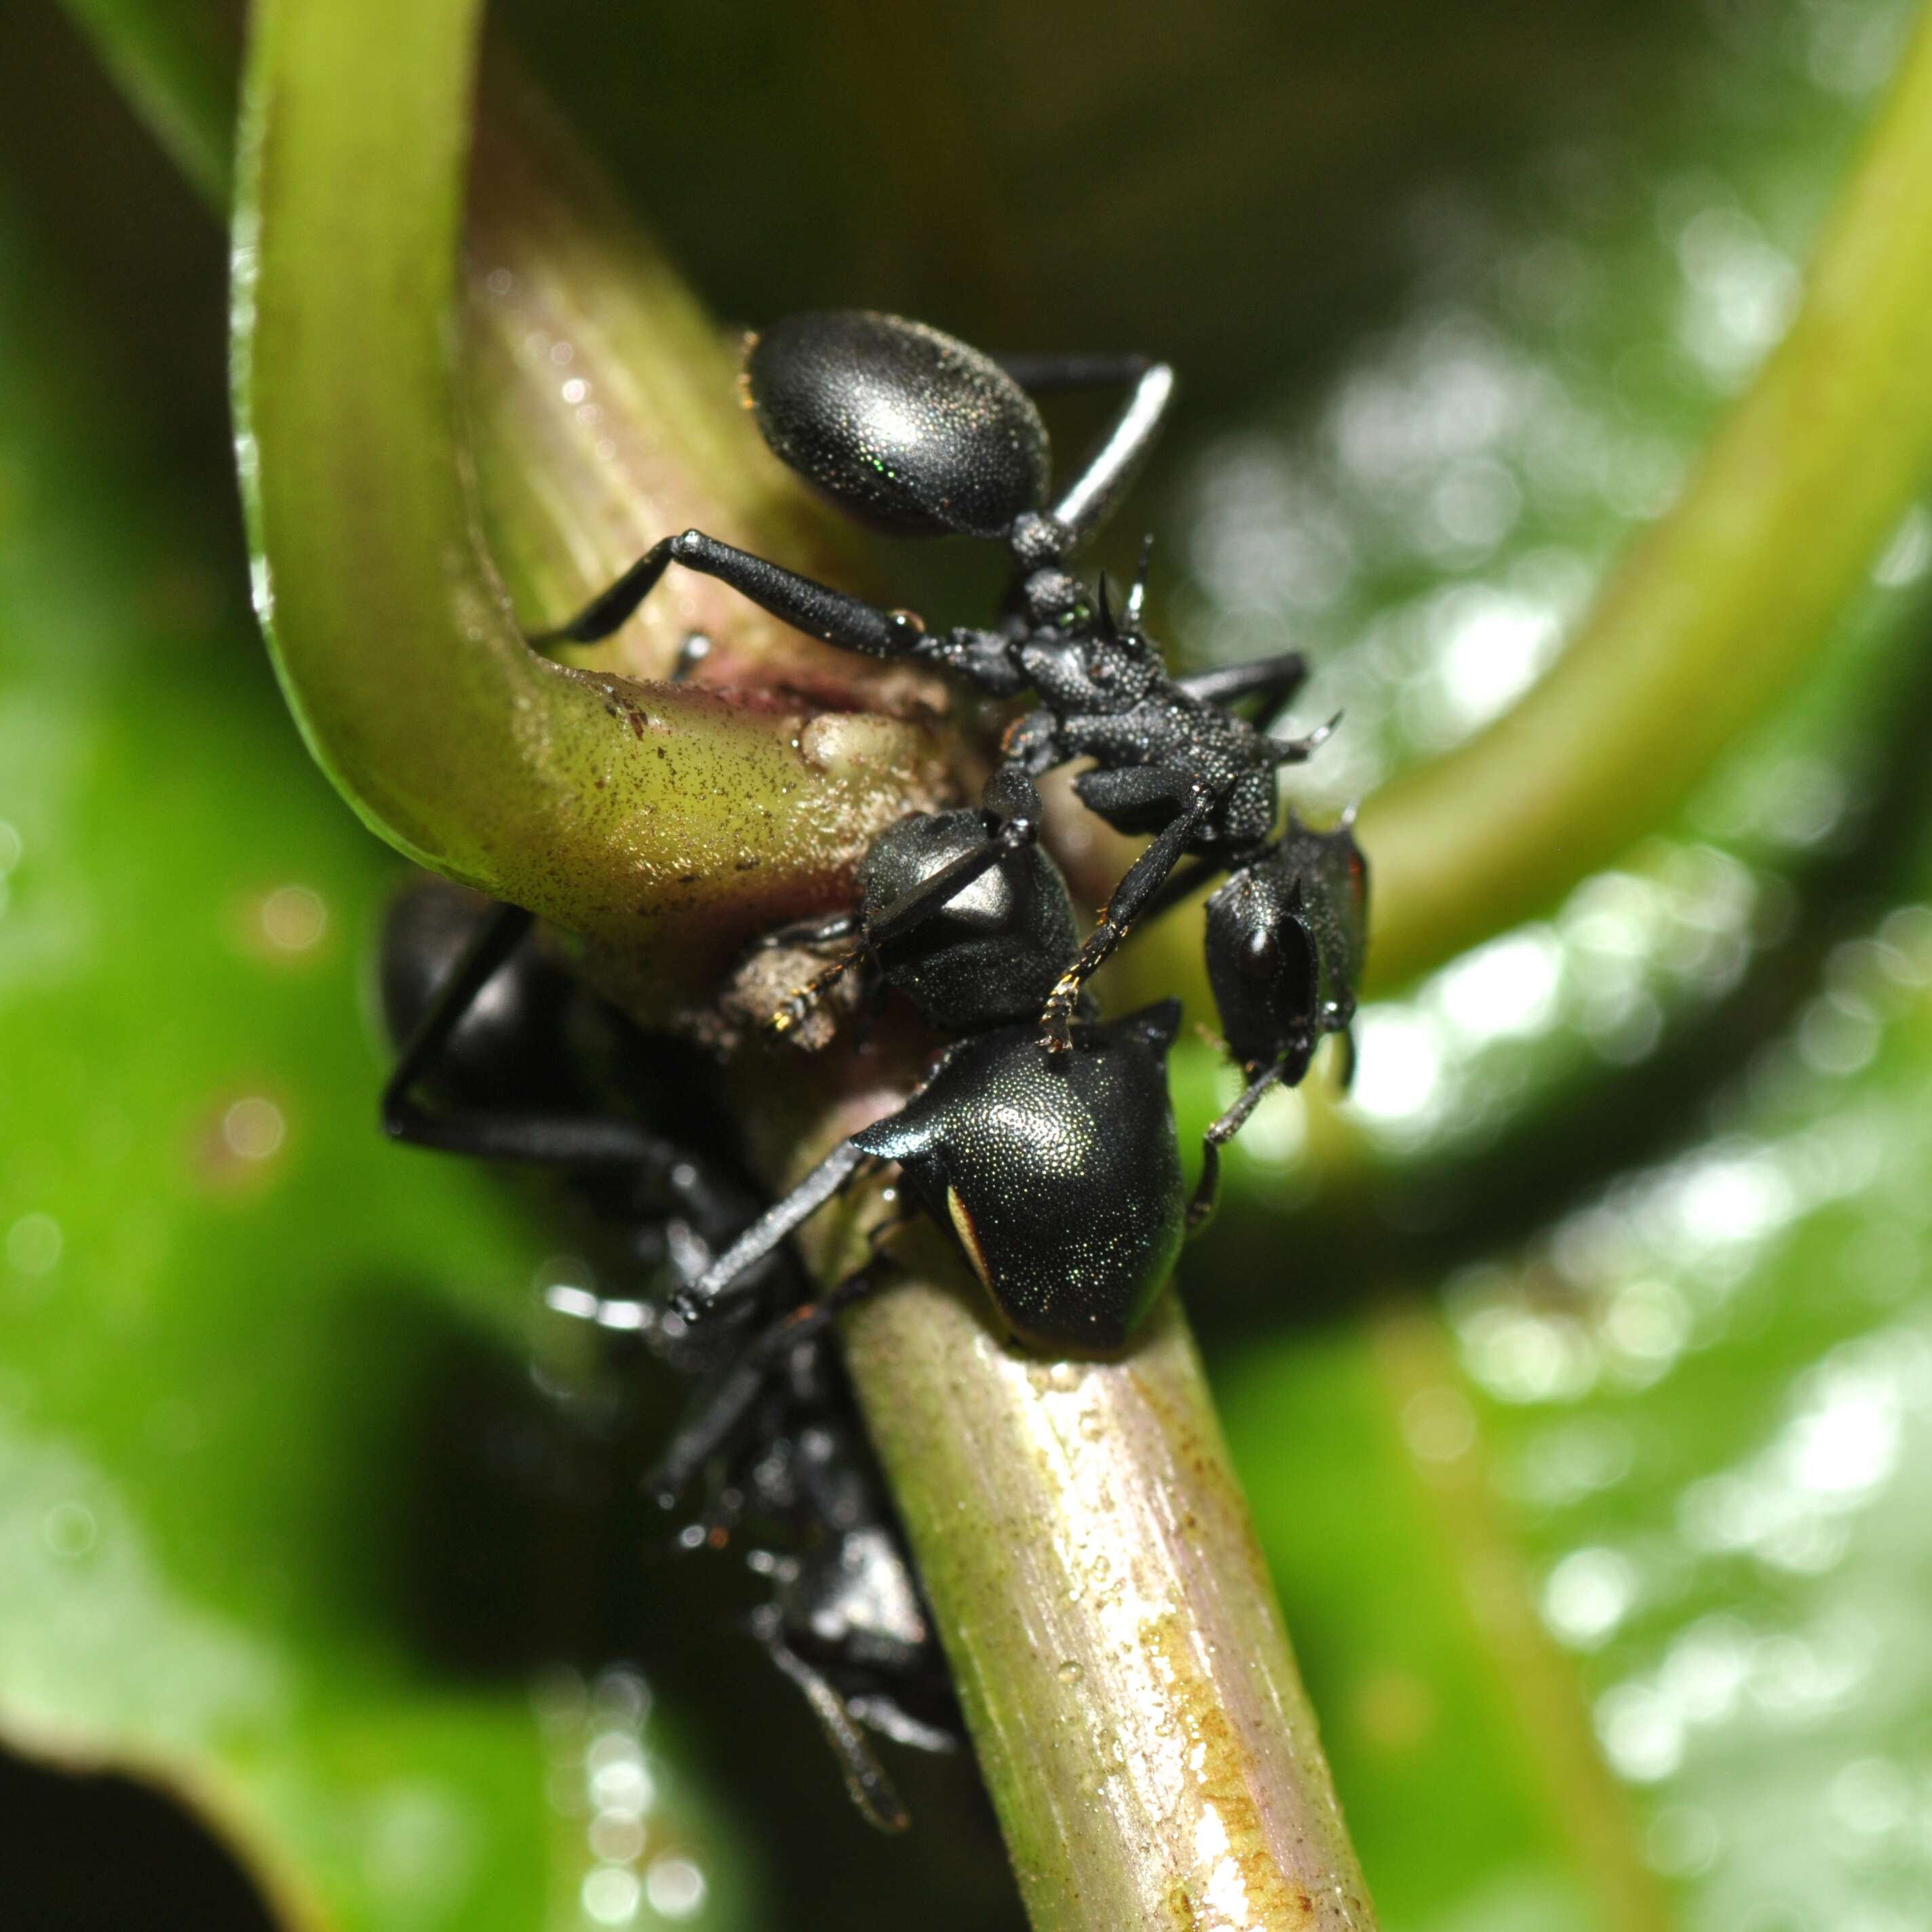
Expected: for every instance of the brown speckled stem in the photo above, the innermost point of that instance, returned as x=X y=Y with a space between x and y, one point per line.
x=1120 y=1658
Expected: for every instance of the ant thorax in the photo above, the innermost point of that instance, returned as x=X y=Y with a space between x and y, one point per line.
x=1072 y=673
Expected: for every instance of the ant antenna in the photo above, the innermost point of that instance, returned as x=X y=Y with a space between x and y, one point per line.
x=792 y=1011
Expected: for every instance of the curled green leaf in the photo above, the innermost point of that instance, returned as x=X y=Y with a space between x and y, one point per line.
x=661 y=823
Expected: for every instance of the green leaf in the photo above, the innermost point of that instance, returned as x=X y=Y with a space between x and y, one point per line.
x=230 y=1308
x=1710 y=616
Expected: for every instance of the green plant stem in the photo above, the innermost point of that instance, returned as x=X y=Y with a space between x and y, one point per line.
x=663 y=823
x=1711 y=618
x=1712 y=615
x=1414 y=1358
x=1114 y=1633
x=180 y=62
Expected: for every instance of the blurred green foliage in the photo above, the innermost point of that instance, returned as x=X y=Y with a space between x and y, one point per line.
x=1582 y=1377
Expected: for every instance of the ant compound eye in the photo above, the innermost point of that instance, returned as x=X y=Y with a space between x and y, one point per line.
x=905 y=429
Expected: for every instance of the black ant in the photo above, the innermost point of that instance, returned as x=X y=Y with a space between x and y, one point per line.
x=519 y=1062
x=1058 y=1176
x=1287 y=934
x=915 y=434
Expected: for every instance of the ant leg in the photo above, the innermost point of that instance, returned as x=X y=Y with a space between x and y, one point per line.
x=498 y=936
x=1184 y=882
x=1013 y=799
x=623 y=1314
x=830 y=1177
x=683 y=1252
x=813 y=607
x=1288 y=1070
x=865 y=1778
x=877 y=1712
x=1274 y=680
x=1045 y=372
x=807 y=934
x=1344 y=1048
x=719 y=1410
x=724 y=1277
x=817 y=610
x=1095 y=493
x=1130 y=898
x=569 y=1140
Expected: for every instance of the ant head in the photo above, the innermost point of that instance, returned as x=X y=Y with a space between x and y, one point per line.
x=1286 y=936
x=992 y=952
x=905 y=430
